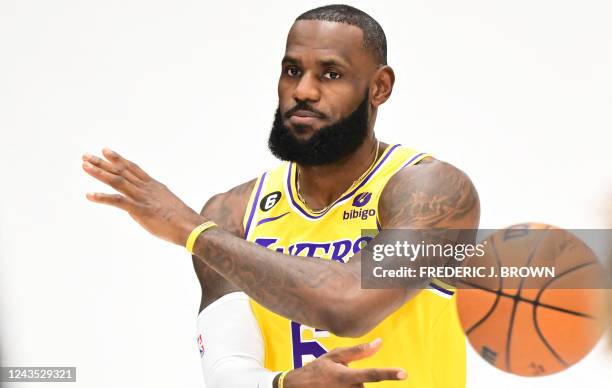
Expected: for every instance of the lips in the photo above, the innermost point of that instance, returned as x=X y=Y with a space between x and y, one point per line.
x=305 y=113
x=303 y=120
x=303 y=117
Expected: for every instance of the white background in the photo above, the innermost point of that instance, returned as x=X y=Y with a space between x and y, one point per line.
x=516 y=93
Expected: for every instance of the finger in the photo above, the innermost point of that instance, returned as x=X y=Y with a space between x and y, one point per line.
x=104 y=165
x=114 y=157
x=370 y=375
x=116 y=200
x=353 y=353
x=117 y=182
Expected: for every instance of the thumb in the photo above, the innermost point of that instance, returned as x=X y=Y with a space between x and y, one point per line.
x=353 y=353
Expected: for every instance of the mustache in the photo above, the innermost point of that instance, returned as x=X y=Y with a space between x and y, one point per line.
x=303 y=105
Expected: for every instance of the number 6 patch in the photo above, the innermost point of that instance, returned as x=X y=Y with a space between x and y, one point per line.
x=269 y=201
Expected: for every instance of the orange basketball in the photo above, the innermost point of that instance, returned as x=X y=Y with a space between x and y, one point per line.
x=533 y=326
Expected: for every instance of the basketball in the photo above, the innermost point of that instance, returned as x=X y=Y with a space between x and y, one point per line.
x=531 y=325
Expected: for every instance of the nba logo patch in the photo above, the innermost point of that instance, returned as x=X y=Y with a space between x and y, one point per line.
x=201 y=345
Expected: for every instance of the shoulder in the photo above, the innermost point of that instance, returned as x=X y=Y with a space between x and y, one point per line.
x=431 y=193
x=227 y=209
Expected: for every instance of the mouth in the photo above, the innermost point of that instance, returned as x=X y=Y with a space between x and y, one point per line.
x=304 y=117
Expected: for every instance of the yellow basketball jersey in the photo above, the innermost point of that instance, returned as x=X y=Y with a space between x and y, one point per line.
x=424 y=336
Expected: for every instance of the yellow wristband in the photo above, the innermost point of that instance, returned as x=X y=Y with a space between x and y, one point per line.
x=281 y=378
x=196 y=232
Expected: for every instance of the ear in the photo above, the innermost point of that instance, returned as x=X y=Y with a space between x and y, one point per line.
x=382 y=85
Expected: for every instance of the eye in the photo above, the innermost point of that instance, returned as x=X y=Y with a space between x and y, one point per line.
x=292 y=71
x=331 y=75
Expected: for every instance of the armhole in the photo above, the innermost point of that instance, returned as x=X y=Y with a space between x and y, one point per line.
x=251 y=209
x=441 y=289
x=412 y=160
x=436 y=286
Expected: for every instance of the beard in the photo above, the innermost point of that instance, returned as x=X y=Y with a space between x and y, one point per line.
x=329 y=144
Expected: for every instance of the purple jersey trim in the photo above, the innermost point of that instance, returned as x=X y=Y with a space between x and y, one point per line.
x=413 y=159
x=378 y=226
x=264 y=220
x=254 y=206
x=442 y=290
x=367 y=178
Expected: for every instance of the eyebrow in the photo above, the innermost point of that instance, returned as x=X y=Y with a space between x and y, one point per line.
x=325 y=62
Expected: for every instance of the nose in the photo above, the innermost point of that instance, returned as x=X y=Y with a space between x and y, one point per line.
x=307 y=89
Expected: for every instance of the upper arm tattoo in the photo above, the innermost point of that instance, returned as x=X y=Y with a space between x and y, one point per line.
x=431 y=194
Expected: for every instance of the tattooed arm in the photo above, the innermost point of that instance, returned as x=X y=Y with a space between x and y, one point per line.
x=326 y=294
x=226 y=210
x=239 y=362
x=319 y=293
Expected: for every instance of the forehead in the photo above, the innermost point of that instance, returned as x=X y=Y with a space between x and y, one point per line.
x=326 y=39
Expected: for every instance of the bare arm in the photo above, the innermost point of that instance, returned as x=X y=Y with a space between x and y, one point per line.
x=239 y=361
x=226 y=210
x=431 y=194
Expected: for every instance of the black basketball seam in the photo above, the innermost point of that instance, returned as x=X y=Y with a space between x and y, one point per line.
x=521 y=299
x=515 y=305
x=488 y=314
x=536 y=304
x=549 y=282
x=579 y=266
x=539 y=332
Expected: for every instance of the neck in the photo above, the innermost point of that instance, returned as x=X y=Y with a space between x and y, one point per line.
x=321 y=185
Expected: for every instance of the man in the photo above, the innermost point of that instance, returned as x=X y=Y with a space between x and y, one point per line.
x=338 y=180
